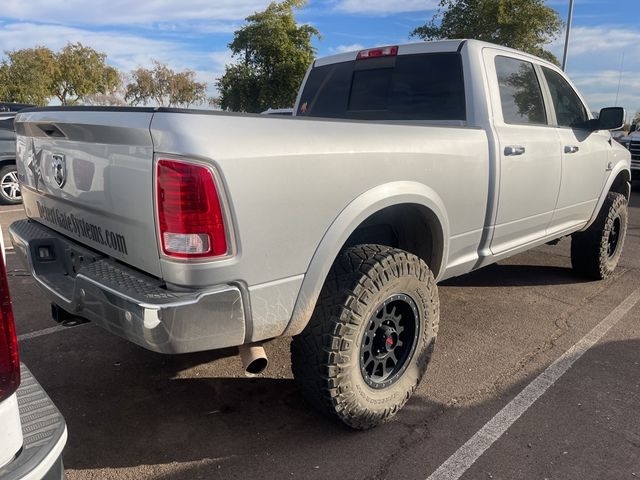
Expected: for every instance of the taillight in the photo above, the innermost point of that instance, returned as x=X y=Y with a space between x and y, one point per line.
x=190 y=216
x=9 y=361
x=377 y=52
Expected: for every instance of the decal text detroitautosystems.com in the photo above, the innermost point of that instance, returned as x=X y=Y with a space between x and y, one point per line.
x=79 y=226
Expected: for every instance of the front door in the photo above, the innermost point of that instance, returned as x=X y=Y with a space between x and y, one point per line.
x=529 y=150
x=584 y=155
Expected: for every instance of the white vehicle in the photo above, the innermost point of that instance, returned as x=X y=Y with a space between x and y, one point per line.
x=287 y=112
x=33 y=433
x=403 y=166
x=632 y=143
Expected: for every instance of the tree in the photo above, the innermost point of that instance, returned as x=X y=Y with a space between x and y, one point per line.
x=113 y=98
x=82 y=71
x=26 y=76
x=35 y=75
x=273 y=53
x=636 y=119
x=165 y=87
x=185 y=90
x=527 y=25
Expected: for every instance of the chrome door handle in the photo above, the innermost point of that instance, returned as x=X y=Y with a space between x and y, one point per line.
x=571 y=149
x=511 y=150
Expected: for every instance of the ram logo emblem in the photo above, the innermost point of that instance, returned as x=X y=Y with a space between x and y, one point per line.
x=59 y=169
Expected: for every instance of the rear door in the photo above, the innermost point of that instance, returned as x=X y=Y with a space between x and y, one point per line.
x=88 y=174
x=584 y=153
x=529 y=149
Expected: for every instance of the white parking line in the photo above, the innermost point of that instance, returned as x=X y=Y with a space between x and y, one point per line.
x=47 y=331
x=13 y=210
x=458 y=463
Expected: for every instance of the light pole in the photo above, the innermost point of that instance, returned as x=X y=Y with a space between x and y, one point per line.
x=566 y=40
x=620 y=78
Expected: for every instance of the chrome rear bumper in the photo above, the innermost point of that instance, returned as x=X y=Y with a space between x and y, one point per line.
x=125 y=301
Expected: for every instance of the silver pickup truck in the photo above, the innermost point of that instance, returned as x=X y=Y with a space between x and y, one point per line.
x=402 y=166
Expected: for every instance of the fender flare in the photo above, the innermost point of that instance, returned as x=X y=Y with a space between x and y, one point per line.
x=620 y=167
x=347 y=221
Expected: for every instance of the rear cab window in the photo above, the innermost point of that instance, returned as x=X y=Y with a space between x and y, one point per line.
x=426 y=86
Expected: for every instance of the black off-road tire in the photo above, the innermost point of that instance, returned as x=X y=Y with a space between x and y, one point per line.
x=326 y=356
x=591 y=252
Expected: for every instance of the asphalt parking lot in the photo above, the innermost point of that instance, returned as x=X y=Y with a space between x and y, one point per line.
x=136 y=414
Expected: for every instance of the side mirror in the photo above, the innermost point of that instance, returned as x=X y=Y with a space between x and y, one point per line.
x=610 y=118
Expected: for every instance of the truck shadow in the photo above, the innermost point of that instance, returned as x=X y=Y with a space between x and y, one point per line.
x=169 y=427
x=510 y=275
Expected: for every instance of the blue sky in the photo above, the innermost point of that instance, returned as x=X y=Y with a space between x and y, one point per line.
x=194 y=34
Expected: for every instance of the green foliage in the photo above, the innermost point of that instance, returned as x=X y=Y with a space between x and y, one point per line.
x=185 y=90
x=273 y=54
x=113 y=98
x=35 y=75
x=527 y=25
x=82 y=71
x=26 y=76
x=165 y=87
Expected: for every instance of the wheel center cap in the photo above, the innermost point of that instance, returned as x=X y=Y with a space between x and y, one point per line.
x=390 y=339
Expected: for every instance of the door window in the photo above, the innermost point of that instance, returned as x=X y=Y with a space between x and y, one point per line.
x=520 y=93
x=570 y=111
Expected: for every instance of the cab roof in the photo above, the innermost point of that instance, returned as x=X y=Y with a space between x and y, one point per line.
x=423 y=47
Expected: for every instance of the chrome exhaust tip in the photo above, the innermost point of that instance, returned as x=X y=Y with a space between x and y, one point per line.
x=254 y=359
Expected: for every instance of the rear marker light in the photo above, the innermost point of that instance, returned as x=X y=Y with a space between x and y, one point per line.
x=189 y=211
x=377 y=52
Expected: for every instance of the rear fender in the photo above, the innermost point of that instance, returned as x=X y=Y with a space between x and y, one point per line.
x=345 y=224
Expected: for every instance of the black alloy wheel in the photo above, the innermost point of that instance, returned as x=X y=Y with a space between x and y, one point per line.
x=614 y=236
x=389 y=341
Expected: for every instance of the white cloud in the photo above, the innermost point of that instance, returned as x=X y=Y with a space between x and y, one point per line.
x=383 y=7
x=124 y=12
x=221 y=58
x=595 y=61
x=126 y=51
x=608 y=77
x=600 y=39
x=347 y=48
x=601 y=89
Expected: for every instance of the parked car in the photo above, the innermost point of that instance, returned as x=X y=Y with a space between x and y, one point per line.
x=287 y=112
x=401 y=167
x=33 y=433
x=9 y=186
x=632 y=143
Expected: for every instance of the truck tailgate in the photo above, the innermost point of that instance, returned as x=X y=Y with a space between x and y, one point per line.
x=88 y=174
